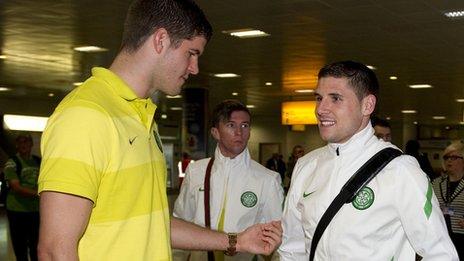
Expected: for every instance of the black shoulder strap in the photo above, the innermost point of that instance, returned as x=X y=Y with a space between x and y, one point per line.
x=359 y=179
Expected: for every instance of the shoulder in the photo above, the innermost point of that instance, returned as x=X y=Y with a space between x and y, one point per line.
x=312 y=155
x=262 y=171
x=405 y=170
x=197 y=170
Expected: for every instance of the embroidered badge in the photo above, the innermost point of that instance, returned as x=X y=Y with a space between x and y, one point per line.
x=364 y=198
x=249 y=199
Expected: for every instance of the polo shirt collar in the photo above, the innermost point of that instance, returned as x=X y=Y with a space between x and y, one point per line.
x=117 y=84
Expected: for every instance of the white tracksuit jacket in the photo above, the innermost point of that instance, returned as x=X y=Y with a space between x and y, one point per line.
x=254 y=195
x=395 y=217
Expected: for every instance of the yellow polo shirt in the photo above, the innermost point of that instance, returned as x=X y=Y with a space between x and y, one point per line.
x=101 y=143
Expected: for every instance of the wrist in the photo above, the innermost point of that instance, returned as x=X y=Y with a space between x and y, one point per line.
x=231 y=249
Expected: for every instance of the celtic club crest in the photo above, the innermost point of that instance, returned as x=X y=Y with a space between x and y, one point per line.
x=364 y=198
x=249 y=199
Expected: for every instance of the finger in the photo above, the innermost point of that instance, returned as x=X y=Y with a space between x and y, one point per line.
x=277 y=229
x=272 y=237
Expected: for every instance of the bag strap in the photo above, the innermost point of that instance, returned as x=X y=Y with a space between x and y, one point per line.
x=349 y=191
x=206 y=197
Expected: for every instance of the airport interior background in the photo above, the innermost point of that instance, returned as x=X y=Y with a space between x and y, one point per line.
x=414 y=47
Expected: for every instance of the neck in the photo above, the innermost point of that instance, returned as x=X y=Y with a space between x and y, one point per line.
x=25 y=155
x=134 y=69
x=455 y=176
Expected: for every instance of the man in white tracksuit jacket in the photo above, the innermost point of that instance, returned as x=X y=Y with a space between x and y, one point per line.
x=395 y=216
x=243 y=192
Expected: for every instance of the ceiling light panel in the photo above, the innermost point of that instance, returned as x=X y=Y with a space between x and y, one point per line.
x=246 y=33
x=420 y=86
x=24 y=122
x=454 y=14
x=226 y=75
x=408 y=111
x=438 y=117
x=305 y=91
x=90 y=49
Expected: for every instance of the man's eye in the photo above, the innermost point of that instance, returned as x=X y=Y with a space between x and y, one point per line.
x=245 y=125
x=318 y=98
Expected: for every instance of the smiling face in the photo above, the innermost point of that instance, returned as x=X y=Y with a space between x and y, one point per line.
x=178 y=63
x=232 y=135
x=339 y=111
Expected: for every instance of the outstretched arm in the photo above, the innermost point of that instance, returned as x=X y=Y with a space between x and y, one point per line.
x=257 y=239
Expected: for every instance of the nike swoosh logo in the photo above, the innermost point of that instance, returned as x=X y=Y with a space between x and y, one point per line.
x=132 y=140
x=201 y=189
x=305 y=195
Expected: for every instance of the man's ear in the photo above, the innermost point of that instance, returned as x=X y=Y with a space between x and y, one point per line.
x=368 y=105
x=160 y=40
x=215 y=133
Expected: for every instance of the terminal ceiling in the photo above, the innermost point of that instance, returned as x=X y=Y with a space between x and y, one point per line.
x=409 y=39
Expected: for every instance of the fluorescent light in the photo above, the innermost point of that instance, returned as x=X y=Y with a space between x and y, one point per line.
x=246 y=33
x=164 y=116
x=174 y=97
x=461 y=122
x=460 y=100
x=305 y=91
x=420 y=86
x=454 y=14
x=393 y=78
x=4 y=89
x=388 y=118
x=250 y=106
x=235 y=94
x=415 y=123
x=176 y=108
x=226 y=75
x=2 y=56
x=371 y=67
x=90 y=49
x=51 y=94
x=268 y=84
x=438 y=117
x=25 y=123
x=77 y=83
x=408 y=111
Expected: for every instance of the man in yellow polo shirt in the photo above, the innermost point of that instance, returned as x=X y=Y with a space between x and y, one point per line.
x=102 y=180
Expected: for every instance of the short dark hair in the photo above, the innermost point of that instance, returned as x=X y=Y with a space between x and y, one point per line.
x=223 y=110
x=182 y=19
x=360 y=77
x=376 y=121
